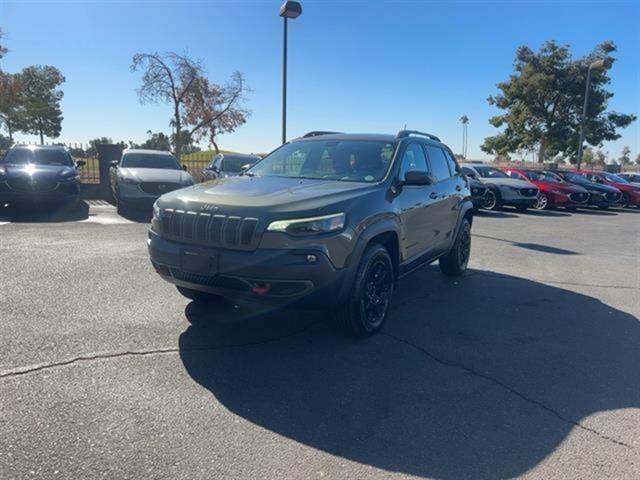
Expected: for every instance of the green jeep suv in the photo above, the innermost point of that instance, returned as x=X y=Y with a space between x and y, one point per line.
x=328 y=220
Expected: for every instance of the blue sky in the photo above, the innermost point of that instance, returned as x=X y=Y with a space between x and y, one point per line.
x=355 y=66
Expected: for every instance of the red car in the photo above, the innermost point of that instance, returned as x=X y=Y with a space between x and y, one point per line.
x=630 y=191
x=554 y=192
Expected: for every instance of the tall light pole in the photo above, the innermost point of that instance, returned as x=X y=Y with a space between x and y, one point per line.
x=597 y=65
x=289 y=9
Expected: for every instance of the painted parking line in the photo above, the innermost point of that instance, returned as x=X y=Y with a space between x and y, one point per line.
x=104 y=213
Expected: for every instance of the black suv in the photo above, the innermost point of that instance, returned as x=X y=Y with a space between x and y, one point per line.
x=326 y=220
x=39 y=175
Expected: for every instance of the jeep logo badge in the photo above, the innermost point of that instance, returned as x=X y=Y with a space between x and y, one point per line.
x=208 y=207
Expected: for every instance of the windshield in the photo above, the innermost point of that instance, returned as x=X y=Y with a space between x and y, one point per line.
x=490 y=172
x=234 y=164
x=150 y=160
x=344 y=160
x=38 y=156
x=543 y=176
x=614 y=178
x=575 y=178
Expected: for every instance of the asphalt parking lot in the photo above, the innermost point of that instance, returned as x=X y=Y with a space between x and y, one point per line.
x=529 y=365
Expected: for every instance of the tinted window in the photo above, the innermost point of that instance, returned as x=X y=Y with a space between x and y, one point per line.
x=150 y=160
x=439 y=163
x=467 y=171
x=453 y=166
x=345 y=160
x=490 y=172
x=38 y=156
x=413 y=159
x=234 y=164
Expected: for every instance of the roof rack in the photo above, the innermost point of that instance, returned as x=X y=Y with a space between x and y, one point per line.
x=317 y=133
x=406 y=133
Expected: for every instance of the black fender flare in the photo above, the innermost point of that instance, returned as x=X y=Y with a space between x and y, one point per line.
x=389 y=224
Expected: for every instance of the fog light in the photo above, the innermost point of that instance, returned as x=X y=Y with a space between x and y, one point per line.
x=312 y=258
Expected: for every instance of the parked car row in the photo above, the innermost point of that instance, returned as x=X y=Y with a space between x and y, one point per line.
x=547 y=189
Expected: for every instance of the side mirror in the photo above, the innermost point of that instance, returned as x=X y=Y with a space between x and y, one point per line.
x=417 y=177
x=184 y=167
x=246 y=167
x=113 y=163
x=80 y=163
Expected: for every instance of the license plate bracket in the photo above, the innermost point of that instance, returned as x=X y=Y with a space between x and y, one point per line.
x=199 y=260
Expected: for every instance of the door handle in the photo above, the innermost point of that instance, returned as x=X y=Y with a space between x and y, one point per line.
x=434 y=195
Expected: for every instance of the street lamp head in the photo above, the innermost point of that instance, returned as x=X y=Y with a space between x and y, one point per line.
x=603 y=63
x=290 y=9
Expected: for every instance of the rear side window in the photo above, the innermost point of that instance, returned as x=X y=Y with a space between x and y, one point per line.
x=413 y=159
x=439 y=163
x=454 y=169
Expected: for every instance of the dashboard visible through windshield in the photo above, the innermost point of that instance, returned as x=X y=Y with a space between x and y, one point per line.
x=343 y=160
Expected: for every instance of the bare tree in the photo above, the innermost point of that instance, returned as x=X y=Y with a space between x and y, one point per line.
x=200 y=107
x=167 y=79
x=213 y=109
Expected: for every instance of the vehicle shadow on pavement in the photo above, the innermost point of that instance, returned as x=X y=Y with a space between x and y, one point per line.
x=478 y=377
x=45 y=214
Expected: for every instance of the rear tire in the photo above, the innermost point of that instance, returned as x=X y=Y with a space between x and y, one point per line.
x=197 y=295
x=455 y=262
x=368 y=304
x=490 y=200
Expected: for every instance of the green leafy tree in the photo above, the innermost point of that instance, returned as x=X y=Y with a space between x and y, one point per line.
x=637 y=160
x=157 y=141
x=543 y=98
x=41 y=96
x=625 y=157
x=588 y=157
x=3 y=49
x=600 y=158
x=12 y=112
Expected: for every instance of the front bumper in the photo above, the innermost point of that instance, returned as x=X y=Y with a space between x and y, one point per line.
x=273 y=276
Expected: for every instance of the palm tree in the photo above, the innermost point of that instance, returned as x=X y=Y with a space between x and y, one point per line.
x=465 y=121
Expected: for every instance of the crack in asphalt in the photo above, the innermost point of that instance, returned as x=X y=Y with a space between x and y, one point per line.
x=510 y=389
x=16 y=372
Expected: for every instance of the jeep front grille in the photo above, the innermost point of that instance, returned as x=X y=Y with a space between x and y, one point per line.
x=209 y=229
x=579 y=197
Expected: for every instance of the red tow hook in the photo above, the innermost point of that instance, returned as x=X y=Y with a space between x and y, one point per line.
x=261 y=289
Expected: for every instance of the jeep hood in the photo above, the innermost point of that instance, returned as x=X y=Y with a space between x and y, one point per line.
x=275 y=194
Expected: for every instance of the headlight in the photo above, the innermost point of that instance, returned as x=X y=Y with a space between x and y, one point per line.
x=309 y=226
x=130 y=180
x=156 y=211
x=2 y=171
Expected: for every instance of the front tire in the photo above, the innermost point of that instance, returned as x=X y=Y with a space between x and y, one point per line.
x=455 y=262
x=542 y=203
x=197 y=295
x=490 y=200
x=368 y=304
x=624 y=200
